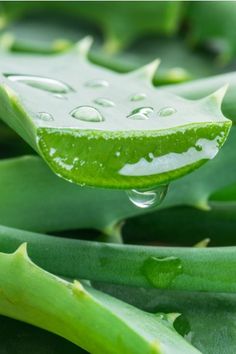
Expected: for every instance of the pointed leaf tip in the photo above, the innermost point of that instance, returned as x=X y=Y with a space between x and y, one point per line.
x=6 y=41
x=171 y=317
x=148 y=71
x=219 y=95
x=78 y=289
x=203 y=243
x=151 y=68
x=84 y=45
x=22 y=250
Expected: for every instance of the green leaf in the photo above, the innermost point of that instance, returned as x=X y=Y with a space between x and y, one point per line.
x=138 y=20
x=192 y=269
x=103 y=136
x=217 y=34
x=211 y=190
x=57 y=205
x=86 y=317
x=208 y=320
x=199 y=88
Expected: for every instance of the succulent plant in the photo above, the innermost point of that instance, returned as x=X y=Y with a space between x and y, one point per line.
x=96 y=119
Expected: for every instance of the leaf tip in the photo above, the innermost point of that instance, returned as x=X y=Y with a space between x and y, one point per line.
x=78 y=289
x=6 y=41
x=147 y=72
x=22 y=250
x=203 y=243
x=84 y=45
x=218 y=95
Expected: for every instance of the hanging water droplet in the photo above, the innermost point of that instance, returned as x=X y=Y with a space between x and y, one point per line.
x=138 y=97
x=87 y=114
x=97 y=83
x=104 y=102
x=160 y=272
x=147 y=198
x=42 y=83
x=44 y=116
x=167 y=111
x=141 y=113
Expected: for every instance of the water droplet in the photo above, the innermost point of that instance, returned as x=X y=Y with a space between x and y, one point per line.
x=141 y=113
x=44 y=116
x=160 y=272
x=147 y=198
x=138 y=97
x=58 y=95
x=42 y=83
x=87 y=114
x=198 y=147
x=104 y=102
x=167 y=111
x=97 y=83
x=182 y=326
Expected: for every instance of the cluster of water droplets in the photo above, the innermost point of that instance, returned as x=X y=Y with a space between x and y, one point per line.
x=86 y=113
x=59 y=89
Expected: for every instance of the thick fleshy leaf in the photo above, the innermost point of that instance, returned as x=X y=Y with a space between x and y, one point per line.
x=218 y=35
x=193 y=269
x=208 y=321
x=139 y=20
x=83 y=315
x=105 y=129
x=27 y=181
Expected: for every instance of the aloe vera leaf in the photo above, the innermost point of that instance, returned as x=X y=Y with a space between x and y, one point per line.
x=178 y=62
x=27 y=181
x=86 y=317
x=104 y=152
x=191 y=269
x=138 y=20
x=30 y=339
x=217 y=34
x=188 y=226
x=58 y=205
x=217 y=220
x=199 y=88
x=208 y=320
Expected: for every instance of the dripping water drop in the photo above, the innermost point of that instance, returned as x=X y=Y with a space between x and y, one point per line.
x=147 y=198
